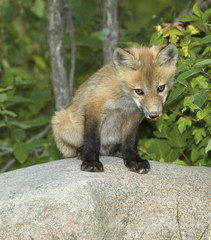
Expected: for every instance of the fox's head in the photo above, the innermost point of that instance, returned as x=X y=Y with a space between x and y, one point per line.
x=147 y=75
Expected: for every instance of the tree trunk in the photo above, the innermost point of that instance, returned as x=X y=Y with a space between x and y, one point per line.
x=55 y=29
x=110 y=28
x=71 y=31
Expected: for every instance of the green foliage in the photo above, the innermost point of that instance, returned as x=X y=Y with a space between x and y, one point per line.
x=181 y=136
x=184 y=130
x=25 y=92
x=138 y=18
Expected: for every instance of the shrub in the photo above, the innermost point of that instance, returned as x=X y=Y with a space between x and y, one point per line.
x=183 y=132
x=26 y=100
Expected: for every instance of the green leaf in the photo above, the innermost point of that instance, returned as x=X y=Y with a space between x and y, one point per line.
x=6 y=89
x=203 y=63
x=82 y=40
x=183 y=76
x=39 y=100
x=188 y=101
x=178 y=138
x=37 y=143
x=53 y=151
x=7 y=76
x=196 y=50
x=201 y=81
x=199 y=134
x=40 y=62
x=18 y=99
x=21 y=73
x=9 y=113
x=5 y=63
x=21 y=124
x=175 y=93
x=31 y=123
x=196 y=10
x=180 y=162
x=200 y=98
x=2 y=124
x=196 y=43
x=40 y=121
x=196 y=154
x=206 y=39
x=189 y=18
x=19 y=133
x=206 y=51
x=21 y=152
x=3 y=97
x=173 y=33
x=183 y=123
x=38 y=8
x=156 y=39
x=20 y=81
x=201 y=114
x=206 y=15
x=161 y=123
x=192 y=55
x=181 y=68
x=159 y=134
x=208 y=147
x=164 y=149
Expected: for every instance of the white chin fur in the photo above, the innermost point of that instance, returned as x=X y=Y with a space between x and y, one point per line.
x=137 y=103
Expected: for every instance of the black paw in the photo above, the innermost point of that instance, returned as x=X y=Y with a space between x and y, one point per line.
x=92 y=166
x=138 y=166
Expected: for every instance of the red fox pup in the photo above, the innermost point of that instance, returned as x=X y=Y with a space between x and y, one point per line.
x=103 y=116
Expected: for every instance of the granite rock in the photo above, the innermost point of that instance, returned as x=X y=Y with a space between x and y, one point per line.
x=57 y=201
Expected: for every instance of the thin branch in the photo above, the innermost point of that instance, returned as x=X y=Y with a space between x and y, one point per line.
x=203 y=5
x=8 y=165
x=182 y=115
x=207 y=74
x=186 y=158
x=34 y=151
x=186 y=9
x=36 y=137
x=39 y=135
x=71 y=32
x=6 y=150
x=5 y=153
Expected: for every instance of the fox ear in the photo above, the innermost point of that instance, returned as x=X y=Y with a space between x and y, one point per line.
x=167 y=56
x=121 y=57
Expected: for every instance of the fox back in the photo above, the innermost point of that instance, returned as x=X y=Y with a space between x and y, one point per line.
x=103 y=116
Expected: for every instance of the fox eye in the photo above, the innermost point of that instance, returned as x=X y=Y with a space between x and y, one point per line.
x=161 y=88
x=139 y=91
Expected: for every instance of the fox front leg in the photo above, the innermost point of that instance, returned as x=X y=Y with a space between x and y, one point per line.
x=131 y=158
x=91 y=148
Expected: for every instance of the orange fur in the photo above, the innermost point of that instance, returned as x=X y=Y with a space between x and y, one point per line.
x=109 y=96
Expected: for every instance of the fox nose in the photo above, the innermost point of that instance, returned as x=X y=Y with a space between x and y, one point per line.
x=154 y=116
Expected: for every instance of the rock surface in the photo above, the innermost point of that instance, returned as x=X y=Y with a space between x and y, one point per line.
x=57 y=201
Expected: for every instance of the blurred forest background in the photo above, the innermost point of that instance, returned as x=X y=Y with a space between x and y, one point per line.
x=181 y=135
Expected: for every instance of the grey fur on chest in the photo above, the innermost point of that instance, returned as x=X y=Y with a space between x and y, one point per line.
x=125 y=105
x=116 y=113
